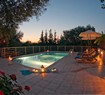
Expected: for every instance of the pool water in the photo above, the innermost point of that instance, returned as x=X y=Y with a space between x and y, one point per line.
x=37 y=60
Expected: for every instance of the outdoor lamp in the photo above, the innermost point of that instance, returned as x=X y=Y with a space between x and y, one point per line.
x=9 y=58
x=35 y=70
x=101 y=52
x=42 y=69
x=98 y=50
x=53 y=70
x=47 y=50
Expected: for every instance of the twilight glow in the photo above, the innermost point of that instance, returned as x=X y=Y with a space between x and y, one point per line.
x=65 y=15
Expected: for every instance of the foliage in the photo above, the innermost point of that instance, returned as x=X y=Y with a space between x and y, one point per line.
x=48 y=39
x=42 y=38
x=72 y=36
x=13 y=12
x=55 y=38
x=62 y=41
x=15 y=40
x=9 y=86
x=102 y=5
x=99 y=40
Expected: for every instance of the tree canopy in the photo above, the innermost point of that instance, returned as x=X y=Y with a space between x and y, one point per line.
x=72 y=36
x=13 y=12
x=103 y=4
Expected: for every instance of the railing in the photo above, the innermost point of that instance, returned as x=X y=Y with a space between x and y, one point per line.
x=16 y=51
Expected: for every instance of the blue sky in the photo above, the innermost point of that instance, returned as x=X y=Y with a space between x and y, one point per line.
x=65 y=15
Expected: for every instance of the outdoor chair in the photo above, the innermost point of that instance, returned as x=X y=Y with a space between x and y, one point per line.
x=89 y=58
x=85 y=53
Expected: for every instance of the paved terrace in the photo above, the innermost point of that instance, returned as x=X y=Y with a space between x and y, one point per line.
x=72 y=78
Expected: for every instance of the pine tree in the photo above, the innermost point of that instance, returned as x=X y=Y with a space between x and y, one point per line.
x=55 y=39
x=42 y=38
x=50 y=40
x=46 y=38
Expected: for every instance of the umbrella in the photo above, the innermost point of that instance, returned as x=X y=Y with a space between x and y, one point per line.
x=89 y=34
x=84 y=38
x=88 y=39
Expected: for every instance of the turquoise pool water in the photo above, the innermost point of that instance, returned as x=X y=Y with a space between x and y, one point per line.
x=46 y=59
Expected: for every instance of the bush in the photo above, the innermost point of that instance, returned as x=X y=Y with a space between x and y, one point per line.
x=9 y=85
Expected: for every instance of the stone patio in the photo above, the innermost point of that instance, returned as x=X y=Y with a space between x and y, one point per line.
x=72 y=78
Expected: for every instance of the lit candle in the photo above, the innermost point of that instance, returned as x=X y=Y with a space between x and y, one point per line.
x=42 y=69
x=47 y=50
x=9 y=58
x=36 y=71
x=33 y=70
x=54 y=70
x=101 y=52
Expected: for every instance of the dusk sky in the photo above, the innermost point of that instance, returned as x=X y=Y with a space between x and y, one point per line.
x=65 y=15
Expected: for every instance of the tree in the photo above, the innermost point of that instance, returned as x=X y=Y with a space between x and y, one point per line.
x=50 y=40
x=55 y=39
x=46 y=38
x=42 y=38
x=102 y=5
x=5 y=35
x=62 y=41
x=13 y=12
x=15 y=40
x=100 y=40
x=72 y=36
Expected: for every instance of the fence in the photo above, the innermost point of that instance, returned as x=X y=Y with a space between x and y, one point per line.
x=16 y=51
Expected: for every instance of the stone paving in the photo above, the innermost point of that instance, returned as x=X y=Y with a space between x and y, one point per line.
x=72 y=78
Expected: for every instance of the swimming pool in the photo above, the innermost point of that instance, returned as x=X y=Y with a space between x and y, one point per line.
x=37 y=60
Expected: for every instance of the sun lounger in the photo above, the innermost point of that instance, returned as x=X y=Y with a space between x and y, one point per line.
x=89 y=58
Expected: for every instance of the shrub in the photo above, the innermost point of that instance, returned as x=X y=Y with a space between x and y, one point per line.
x=9 y=85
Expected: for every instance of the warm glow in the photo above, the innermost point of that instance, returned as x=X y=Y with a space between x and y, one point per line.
x=98 y=50
x=86 y=50
x=71 y=51
x=101 y=52
x=42 y=69
x=100 y=65
x=9 y=58
x=43 y=74
x=35 y=70
x=47 y=50
x=53 y=70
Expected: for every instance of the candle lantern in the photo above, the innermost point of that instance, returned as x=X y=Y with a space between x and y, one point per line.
x=53 y=70
x=9 y=58
x=47 y=50
x=35 y=70
x=42 y=69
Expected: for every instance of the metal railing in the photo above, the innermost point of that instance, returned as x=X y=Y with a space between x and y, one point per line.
x=16 y=51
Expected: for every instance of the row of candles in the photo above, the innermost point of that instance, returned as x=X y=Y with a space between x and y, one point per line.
x=44 y=70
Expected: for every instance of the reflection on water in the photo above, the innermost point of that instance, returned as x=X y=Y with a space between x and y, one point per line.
x=43 y=75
